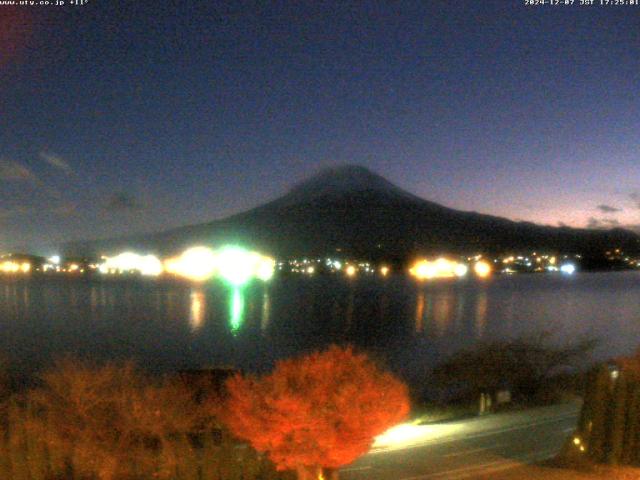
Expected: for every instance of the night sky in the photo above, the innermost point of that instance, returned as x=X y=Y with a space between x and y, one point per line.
x=120 y=117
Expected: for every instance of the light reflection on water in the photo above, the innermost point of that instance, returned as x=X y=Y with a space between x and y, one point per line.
x=481 y=313
x=236 y=313
x=420 y=312
x=411 y=325
x=442 y=310
x=266 y=312
x=197 y=310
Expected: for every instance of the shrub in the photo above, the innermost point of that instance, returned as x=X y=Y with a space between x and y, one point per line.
x=523 y=365
x=317 y=412
x=112 y=422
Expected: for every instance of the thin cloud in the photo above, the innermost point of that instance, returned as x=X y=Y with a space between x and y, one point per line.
x=634 y=227
x=611 y=222
x=603 y=223
x=608 y=209
x=123 y=202
x=6 y=213
x=56 y=161
x=11 y=171
x=635 y=196
x=594 y=223
x=65 y=209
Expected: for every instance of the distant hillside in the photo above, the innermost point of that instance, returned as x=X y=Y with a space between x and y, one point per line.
x=356 y=212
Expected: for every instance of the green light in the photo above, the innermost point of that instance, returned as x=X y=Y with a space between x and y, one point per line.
x=236 y=316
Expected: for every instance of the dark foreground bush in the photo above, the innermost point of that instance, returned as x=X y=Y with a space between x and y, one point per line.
x=525 y=366
x=111 y=422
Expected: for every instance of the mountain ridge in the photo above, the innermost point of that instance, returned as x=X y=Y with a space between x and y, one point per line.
x=352 y=210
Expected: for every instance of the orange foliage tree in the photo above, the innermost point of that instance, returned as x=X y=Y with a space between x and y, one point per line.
x=111 y=422
x=630 y=364
x=315 y=413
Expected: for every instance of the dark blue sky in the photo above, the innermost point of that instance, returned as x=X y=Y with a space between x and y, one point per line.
x=123 y=116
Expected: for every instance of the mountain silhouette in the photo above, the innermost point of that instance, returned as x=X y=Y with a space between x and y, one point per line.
x=354 y=212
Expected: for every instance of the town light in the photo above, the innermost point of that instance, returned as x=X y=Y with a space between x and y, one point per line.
x=14 y=267
x=233 y=264
x=236 y=265
x=441 y=268
x=150 y=265
x=266 y=268
x=482 y=269
x=460 y=270
x=196 y=263
x=129 y=262
x=423 y=270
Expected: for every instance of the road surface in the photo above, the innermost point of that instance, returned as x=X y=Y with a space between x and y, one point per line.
x=464 y=449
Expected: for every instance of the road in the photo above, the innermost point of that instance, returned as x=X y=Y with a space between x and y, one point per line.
x=464 y=449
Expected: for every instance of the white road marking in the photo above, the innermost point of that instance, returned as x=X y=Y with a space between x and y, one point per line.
x=356 y=469
x=488 y=467
x=455 y=471
x=473 y=450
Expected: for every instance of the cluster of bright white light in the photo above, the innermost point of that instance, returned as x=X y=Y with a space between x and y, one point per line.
x=238 y=266
x=127 y=262
x=197 y=263
x=568 y=268
x=233 y=264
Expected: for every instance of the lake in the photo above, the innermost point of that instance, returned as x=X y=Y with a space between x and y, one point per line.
x=167 y=326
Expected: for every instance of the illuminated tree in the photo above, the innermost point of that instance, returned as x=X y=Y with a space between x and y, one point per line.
x=315 y=413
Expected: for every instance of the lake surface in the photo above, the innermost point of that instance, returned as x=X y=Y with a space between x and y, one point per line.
x=167 y=326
